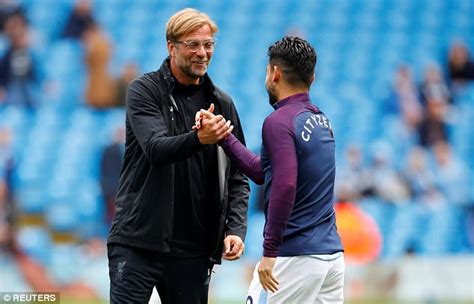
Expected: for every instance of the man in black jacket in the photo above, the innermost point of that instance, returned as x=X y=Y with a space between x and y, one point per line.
x=181 y=205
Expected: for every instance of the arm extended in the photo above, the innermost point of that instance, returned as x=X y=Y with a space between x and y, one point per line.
x=151 y=132
x=247 y=161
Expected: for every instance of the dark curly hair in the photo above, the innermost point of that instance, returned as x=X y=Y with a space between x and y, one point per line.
x=296 y=57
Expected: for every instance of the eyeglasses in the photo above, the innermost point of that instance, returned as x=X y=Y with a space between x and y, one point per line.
x=195 y=45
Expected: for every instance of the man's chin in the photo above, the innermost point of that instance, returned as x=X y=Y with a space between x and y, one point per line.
x=200 y=72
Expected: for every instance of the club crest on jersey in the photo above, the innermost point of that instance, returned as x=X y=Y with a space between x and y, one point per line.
x=311 y=123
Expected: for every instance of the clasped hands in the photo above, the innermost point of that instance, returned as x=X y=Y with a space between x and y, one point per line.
x=211 y=128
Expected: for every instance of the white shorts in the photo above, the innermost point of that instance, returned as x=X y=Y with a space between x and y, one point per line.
x=302 y=280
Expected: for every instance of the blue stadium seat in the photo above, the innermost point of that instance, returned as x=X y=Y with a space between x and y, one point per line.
x=62 y=217
x=64 y=255
x=36 y=242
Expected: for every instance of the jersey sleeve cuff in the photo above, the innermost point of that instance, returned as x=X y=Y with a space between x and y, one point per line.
x=270 y=253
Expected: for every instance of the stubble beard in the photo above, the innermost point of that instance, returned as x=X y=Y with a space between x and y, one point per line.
x=272 y=95
x=187 y=69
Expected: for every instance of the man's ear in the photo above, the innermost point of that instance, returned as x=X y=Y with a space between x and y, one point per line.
x=276 y=73
x=312 y=78
x=171 y=48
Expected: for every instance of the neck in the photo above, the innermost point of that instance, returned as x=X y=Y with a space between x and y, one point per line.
x=180 y=76
x=287 y=92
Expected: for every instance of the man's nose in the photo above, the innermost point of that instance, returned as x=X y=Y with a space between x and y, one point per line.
x=201 y=50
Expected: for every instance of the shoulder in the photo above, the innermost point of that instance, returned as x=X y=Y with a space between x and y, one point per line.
x=272 y=118
x=148 y=84
x=147 y=79
x=148 y=90
x=277 y=123
x=283 y=117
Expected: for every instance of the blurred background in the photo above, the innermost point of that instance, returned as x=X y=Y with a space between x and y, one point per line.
x=396 y=78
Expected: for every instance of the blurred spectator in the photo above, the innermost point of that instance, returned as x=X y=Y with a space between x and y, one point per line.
x=434 y=87
x=461 y=68
x=383 y=180
x=360 y=234
x=351 y=181
x=451 y=175
x=18 y=70
x=110 y=167
x=433 y=127
x=9 y=8
x=404 y=101
x=7 y=233
x=100 y=91
x=420 y=179
x=6 y=193
x=6 y=226
x=470 y=226
x=433 y=198
x=79 y=20
x=6 y=167
x=129 y=73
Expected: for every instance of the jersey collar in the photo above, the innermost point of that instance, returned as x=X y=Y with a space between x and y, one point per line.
x=297 y=98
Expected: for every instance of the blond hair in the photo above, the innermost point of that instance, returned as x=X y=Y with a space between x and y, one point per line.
x=186 y=21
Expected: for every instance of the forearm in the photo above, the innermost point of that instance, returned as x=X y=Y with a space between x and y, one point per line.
x=279 y=210
x=247 y=161
x=151 y=127
x=170 y=149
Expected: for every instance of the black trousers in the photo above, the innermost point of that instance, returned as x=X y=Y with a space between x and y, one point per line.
x=134 y=272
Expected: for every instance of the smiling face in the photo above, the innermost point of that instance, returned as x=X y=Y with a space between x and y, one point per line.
x=188 y=65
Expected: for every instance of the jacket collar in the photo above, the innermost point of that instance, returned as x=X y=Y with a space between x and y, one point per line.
x=167 y=77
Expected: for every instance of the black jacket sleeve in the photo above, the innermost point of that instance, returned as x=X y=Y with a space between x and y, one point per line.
x=150 y=129
x=238 y=189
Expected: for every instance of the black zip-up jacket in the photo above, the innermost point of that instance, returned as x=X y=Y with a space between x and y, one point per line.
x=144 y=201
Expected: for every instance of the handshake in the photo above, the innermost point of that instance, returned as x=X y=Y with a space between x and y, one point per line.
x=211 y=128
